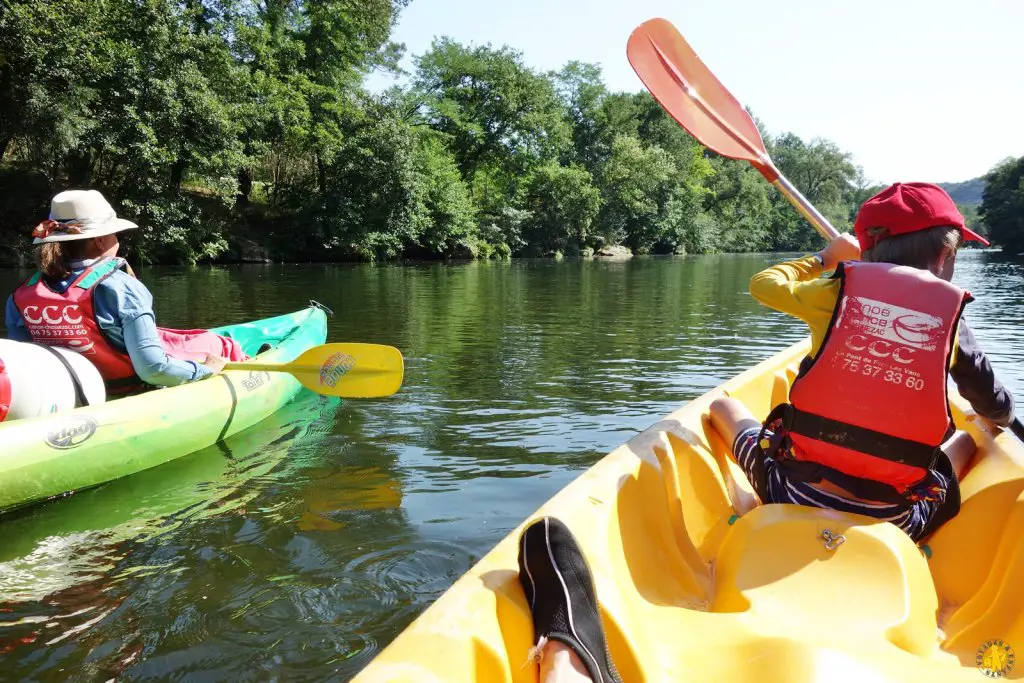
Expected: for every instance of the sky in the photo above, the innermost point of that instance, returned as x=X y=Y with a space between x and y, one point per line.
x=915 y=90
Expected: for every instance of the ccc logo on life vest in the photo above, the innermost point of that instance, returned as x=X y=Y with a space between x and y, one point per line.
x=52 y=315
x=880 y=348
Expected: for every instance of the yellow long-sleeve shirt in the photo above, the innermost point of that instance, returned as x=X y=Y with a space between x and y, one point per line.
x=797 y=289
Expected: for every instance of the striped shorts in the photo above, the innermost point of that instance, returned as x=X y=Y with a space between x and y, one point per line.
x=763 y=472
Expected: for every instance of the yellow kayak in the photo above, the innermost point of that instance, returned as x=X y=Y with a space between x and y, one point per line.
x=692 y=591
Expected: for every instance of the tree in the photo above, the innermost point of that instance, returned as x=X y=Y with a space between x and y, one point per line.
x=496 y=112
x=218 y=121
x=582 y=92
x=1002 y=205
x=44 y=50
x=740 y=206
x=563 y=204
x=823 y=174
x=444 y=218
x=650 y=204
x=367 y=209
x=305 y=61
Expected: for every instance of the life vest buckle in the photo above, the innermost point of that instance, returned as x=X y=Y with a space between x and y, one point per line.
x=777 y=446
x=928 y=489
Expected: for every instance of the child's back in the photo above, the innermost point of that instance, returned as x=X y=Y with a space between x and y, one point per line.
x=868 y=428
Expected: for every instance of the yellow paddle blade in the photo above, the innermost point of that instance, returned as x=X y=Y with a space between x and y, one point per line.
x=348 y=370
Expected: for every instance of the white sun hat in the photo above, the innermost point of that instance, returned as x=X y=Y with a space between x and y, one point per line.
x=79 y=215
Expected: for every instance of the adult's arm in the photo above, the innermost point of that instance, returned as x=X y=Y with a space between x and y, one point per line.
x=124 y=309
x=151 y=363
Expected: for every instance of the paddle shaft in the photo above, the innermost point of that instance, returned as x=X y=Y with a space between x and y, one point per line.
x=763 y=164
x=271 y=367
x=806 y=209
x=1017 y=427
x=285 y=367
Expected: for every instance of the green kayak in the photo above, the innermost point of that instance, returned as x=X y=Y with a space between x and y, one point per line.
x=58 y=454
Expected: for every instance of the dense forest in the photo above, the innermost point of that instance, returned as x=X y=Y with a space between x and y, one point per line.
x=240 y=128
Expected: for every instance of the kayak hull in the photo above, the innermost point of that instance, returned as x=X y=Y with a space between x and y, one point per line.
x=57 y=454
x=690 y=589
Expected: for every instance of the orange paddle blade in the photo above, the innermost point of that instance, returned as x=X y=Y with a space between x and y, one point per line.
x=691 y=94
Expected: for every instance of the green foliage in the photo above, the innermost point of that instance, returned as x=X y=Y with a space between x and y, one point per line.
x=973 y=219
x=563 y=203
x=740 y=207
x=1002 y=205
x=825 y=176
x=648 y=203
x=216 y=123
x=444 y=217
x=495 y=111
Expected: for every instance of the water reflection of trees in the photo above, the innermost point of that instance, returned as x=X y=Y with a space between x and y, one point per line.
x=493 y=344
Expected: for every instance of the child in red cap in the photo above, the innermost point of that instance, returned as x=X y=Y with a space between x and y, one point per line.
x=867 y=429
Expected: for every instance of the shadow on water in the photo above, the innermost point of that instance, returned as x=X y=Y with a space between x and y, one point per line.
x=322 y=532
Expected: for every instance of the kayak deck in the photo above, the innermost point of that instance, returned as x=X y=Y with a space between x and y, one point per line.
x=55 y=454
x=689 y=590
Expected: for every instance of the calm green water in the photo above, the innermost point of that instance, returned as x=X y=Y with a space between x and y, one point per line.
x=322 y=532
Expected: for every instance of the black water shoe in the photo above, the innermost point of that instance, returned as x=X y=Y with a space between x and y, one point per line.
x=560 y=590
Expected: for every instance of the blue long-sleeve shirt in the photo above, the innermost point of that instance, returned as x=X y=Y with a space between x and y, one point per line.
x=123 y=307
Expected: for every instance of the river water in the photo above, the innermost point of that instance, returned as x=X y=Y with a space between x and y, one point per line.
x=306 y=546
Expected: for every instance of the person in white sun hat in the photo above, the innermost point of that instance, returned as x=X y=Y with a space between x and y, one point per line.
x=86 y=299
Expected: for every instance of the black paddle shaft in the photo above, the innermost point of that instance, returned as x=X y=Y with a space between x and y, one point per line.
x=1017 y=427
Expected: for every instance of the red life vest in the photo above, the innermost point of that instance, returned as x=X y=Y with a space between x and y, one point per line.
x=68 y=320
x=873 y=404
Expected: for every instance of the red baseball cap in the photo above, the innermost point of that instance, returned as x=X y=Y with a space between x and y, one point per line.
x=909 y=207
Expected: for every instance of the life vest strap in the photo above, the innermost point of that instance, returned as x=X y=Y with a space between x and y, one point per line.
x=97 y=271
x=868 y=489
x=80 y=399
x=123 y=385
x=861 y=439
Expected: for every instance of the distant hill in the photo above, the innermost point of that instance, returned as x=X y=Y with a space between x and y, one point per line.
x=967 y=193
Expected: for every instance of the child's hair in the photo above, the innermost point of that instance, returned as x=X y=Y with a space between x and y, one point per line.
x=920 y=249
x=52 y=258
